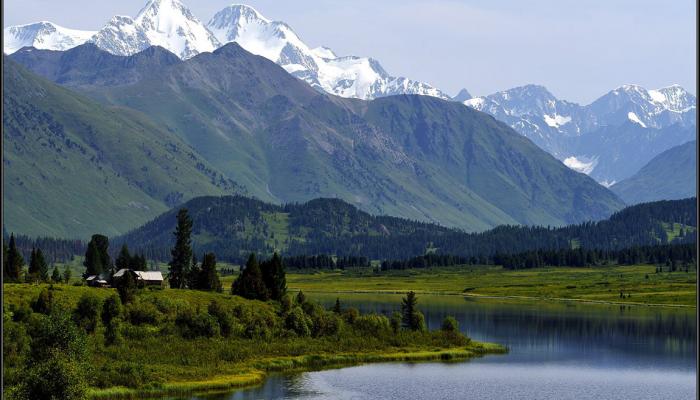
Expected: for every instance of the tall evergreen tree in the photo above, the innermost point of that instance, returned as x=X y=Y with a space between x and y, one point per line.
x=409 y=312
x=194 y=274
x=33 y=270
x=123 y=259
x=56 y=275
x=66 y=274
x=274 y=277
x=209 y=277
x=15 y=261
x=97 y=258
x=249 y=283
x=38 y=269
x=182 y=252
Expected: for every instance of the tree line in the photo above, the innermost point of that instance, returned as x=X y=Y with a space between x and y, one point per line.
x=38 y=269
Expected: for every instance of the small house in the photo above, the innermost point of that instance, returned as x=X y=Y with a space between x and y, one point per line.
x=142 y=278
x=96 y=281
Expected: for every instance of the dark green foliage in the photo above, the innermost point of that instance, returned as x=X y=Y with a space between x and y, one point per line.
x=126 y=287
x=66 y=274
x=411 y=318
x=223 y=318
x=56 y=368
x=14 y=263
x=97 y=258
x=38 y=269
x=142 y=312
x=182 y=251
x=395 y=322
x=112 y=332
x=449 y=324
x=274 y=277
x=56 y=276
x=87 y=312
x=351 y=315
x=44 y=302
x=298 y=322
x=329 y=226
x=301 y=298
x=123 y=260
x=208 y=276
x=249 y=283
x=111 y=309
x=336 y=307
x=194 y=274
x=372 y=324
x=194 y=325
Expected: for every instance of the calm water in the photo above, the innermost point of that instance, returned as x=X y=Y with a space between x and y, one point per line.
x=557 y=351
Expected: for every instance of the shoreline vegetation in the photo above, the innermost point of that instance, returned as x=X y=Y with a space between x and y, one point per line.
x=173 y=342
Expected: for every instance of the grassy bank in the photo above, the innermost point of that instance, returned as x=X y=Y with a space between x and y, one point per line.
x=171 y=342
x=638 y=284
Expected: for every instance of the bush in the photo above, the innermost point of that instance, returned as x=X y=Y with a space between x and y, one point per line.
x=87 y=312
x=450 y=324
x=325 y=324
x=298 y=322
x=223 y=318
x=112 y=334
x=20 y=313
x=111 y=309
x=196 y=325
x=143 y=312
x=372 y=324
x=58 y=377
x=44 y=302
x=395 y=322
x=419 y=322
x=350 y=315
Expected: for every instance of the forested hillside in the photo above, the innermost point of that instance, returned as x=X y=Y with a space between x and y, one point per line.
x=233 y=226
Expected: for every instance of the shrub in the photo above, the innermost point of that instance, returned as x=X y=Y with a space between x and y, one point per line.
x=112 y=334
x=21 y=312
x=143 y=312
x=111 y=309
x=350 y=315
x=372 y=324
x=87 y=312
x=325 y=324
x=223 y=318
x=194 y=325
x=450 y=324
x=285 y=304
x=395 y=322
x=58 y=377
x=44 y=302
x=298 y=322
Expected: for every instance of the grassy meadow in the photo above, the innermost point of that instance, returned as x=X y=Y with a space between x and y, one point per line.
x=639 y=284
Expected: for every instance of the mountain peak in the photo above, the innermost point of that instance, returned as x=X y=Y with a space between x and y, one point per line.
x=42 y=35
x=462 y=96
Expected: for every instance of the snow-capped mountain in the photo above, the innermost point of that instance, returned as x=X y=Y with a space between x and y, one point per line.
x=347 y=76
x=43 y=35
x=605 y=138
x=165 y=23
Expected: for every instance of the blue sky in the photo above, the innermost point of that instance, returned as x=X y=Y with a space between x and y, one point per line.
x=577 y=49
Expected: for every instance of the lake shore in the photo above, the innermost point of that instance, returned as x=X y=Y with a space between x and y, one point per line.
x=257 y=372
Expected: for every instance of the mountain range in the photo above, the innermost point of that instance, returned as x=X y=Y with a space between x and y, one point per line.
x=171 y=25
x=280 y=140
x=609 y=139
x=594 y=139
x=670 y=175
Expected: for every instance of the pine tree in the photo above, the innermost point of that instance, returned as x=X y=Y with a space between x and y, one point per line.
x=33 y=270
x=209 y=277
x=194 y=274
x=55 y=276
x=97 y=258
x=42 y=266
x=123 y=259
x=411 y=318
x=274 y=277
x=182 y=252
x=66 y=274
x=336 y=308
x=249 y=283
x=15 y=261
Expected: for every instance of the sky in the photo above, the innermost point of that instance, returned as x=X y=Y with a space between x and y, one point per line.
x=579 y=50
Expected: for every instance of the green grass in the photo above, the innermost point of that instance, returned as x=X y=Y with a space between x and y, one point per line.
x=596 y=284
x=278 y=233
x=673 y=230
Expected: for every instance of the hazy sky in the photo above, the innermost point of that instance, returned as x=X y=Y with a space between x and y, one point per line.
x=577 y=49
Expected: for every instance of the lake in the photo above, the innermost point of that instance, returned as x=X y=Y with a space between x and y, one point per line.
x=557 y=351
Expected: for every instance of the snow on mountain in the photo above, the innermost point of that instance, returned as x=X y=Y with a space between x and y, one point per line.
x=595 y=138
x=165 y=23
x=348 y=76
x=42 y=35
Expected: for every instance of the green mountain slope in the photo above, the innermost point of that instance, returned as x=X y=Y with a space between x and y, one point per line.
x=234 y=226
x=668 y=176
x=408 y=156
x=73 y=167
